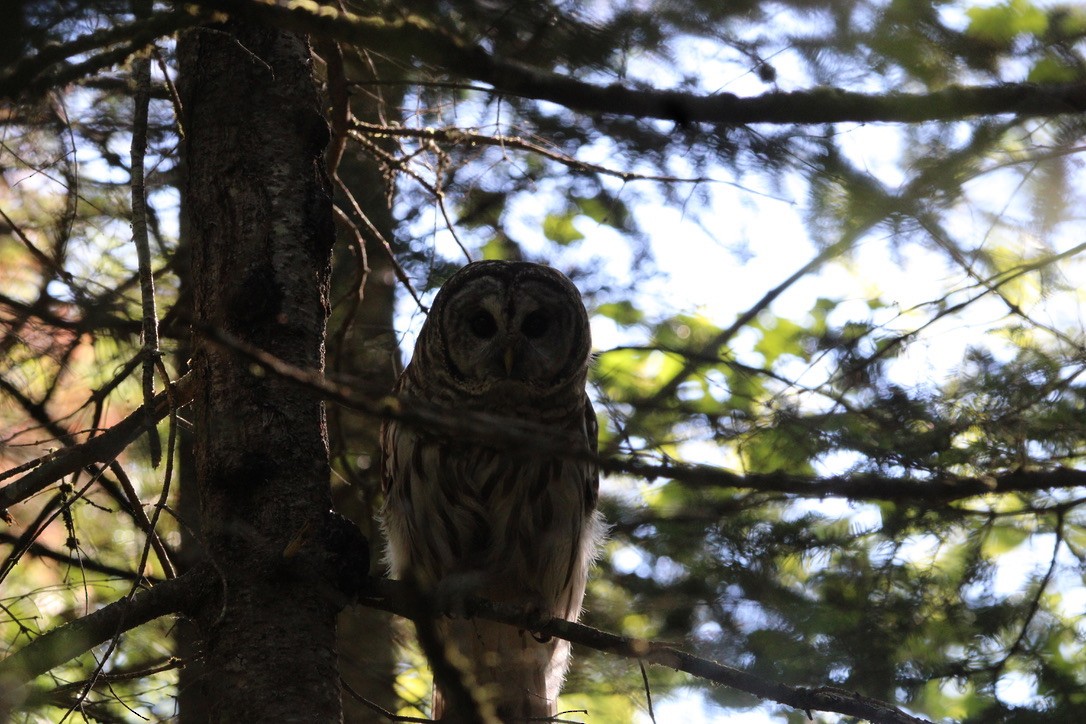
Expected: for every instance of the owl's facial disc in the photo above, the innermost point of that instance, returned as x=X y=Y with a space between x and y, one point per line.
x=521 y=335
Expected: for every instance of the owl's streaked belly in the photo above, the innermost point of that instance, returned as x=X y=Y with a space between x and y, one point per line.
x=462 y=509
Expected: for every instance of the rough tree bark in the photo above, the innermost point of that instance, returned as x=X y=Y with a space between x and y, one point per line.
x=259 y=209
x=192 y=703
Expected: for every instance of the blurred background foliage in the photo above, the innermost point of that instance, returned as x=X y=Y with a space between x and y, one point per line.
x=919 y=321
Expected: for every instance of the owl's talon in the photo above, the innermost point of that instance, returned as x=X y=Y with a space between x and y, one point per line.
x=537 y=614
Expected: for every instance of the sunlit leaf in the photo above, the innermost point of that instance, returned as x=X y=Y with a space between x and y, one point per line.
x=1001 y=22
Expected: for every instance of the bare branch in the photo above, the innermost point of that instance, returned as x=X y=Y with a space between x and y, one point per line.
x=522 y=437
x=49 y=67
x=104 y=447
x=139 y=515
x=471 y=138
x=60 y=695
x=93 y=318
x=141 y=79
x=177 y=595
x=862 y=486
x=43 y=551
x=401 y=275
x=690 y=365
x=399 y=598
x=435 y=45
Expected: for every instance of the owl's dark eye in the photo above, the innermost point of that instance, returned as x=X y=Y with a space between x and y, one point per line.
x=482 y=324
x=535 y=325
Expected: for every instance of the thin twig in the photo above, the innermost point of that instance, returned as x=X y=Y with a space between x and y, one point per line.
x=171 y=87
x=43 y=551
x=340 y=101
x=141 y=79
x=459 y=136
x=374 y=706
x=149 y=543
x=401 y=275
x=139 y=515
x=167 y=664
x=690 y=366
x=179 y=595
x=648 y=689
x=440 y=196
x=100 y=448
x=37 y=253
x=434 y=189
x=63 y=501
x=356 y=289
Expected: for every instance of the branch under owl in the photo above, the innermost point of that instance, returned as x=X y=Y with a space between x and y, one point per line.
x=188 y=593
x=404 y=600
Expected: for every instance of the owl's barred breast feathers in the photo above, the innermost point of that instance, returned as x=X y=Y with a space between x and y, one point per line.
x=510 y=339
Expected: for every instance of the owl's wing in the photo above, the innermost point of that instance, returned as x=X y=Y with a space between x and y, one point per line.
x=592 y=429
x=386 y=454
x=388 y=442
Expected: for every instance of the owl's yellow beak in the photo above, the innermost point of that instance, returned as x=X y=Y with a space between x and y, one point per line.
x=508 y=359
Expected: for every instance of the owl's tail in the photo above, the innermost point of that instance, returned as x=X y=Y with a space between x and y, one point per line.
x=519 y=676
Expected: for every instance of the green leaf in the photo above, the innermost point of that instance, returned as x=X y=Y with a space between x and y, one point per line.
x=1003 y=539
x=559 y=228
x=500 y=247
x=780 y=337
x=604 y=209
x=1072 y=21
x=1051 y=69
x=1001 y=23
x=623 y=312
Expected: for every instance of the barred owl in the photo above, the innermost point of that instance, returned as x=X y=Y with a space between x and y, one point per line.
x=510 y=339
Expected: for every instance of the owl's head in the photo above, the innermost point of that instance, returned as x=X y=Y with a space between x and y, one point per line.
x=506 y=325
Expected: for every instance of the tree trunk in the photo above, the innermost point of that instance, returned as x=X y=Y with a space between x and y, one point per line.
x=258 y=202
x=192 y=701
